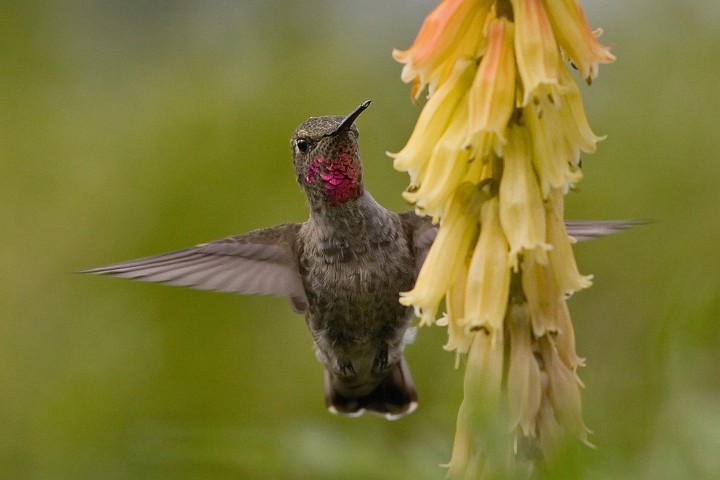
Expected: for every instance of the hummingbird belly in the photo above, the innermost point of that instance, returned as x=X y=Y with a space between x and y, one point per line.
x=354 y=315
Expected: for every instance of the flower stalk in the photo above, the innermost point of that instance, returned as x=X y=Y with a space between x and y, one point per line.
x=495 y=149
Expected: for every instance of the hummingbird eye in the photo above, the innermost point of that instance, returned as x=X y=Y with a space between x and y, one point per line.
x=303 y=145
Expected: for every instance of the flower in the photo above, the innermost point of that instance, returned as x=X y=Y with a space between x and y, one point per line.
x=458 y=229
x=522 y=214
x=563 y=390
x=447 y=34
x=524 y=382
x=495 y=148
x=575 y=37
x=433 y=122
x=488 y=280
x=492 y=95
x=482 y=384
x=538 y=57
x=446 y=166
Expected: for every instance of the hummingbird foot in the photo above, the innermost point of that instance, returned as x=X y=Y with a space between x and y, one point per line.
x=380 y=363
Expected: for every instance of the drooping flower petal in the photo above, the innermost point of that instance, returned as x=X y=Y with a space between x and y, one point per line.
x=543 y=296
x=573 y=119
x=459 y=339
x=492 y=95
x=483 y=378
x=561 y=256
x=447 y=165
x=524 y=384
x=548 y=310
x=564 y=393
x=433 y=121
x=575 y=37
x=550 y=433
x=565 y=339
x=448 y=33
x=456 y=232
x=553 y=155
x=488 y=280
x=522 y=215
x=538 y=56
x=483 y=373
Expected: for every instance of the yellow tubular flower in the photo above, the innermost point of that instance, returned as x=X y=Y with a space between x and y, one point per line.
x=446 y=35
x=543 y=296
x=565 y=338
x=459 y=339
x=447 y=166
x=492 y=96
x=467 y=46
x=456 y=232
x=522 y=215
x=564 y=394
x=559 y=133
x=524 y=384
x=576 y=125
x=483 y=378
x=488 y=280
x=552 y=155
x=549 y=431
x=548 y=309
x=538 y=57
x=433 y=121
x=575 y=37
x=565 y=138
x=561 y=257
x=483 y=375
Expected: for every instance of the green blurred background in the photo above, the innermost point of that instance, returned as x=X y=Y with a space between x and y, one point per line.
x=131 y=127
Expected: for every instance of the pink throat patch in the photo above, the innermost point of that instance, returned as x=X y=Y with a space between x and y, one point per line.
x=340 y=178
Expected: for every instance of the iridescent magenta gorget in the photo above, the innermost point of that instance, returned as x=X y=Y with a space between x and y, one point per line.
x=340 y=177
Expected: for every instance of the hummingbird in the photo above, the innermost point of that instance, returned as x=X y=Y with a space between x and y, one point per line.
x=343 y=268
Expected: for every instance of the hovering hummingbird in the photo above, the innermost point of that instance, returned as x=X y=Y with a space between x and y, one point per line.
x=343 y=268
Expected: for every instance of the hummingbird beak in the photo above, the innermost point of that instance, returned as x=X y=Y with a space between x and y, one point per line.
x=347 y=121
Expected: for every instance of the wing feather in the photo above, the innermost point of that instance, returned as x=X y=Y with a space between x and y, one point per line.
x=422 y=232
x=262 y=262
x=583 y=230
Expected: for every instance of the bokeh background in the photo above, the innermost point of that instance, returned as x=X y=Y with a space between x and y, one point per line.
x=129 y=128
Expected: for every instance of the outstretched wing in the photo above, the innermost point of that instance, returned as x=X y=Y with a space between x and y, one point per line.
x=583 y=230
x=260 y=262
x=422 y=232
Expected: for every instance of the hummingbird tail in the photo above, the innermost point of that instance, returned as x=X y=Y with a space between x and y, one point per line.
x=393 y=398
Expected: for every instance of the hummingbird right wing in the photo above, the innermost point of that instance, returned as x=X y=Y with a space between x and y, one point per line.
x=582 y=230
x=422 y=232
x=262 y=262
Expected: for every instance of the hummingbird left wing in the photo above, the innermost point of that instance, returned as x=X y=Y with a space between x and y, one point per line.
x=260 y=262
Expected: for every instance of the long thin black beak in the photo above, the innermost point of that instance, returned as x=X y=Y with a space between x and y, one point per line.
x=347 y=121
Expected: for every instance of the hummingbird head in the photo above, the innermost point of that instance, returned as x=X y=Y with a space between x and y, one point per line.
x=326 y=159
